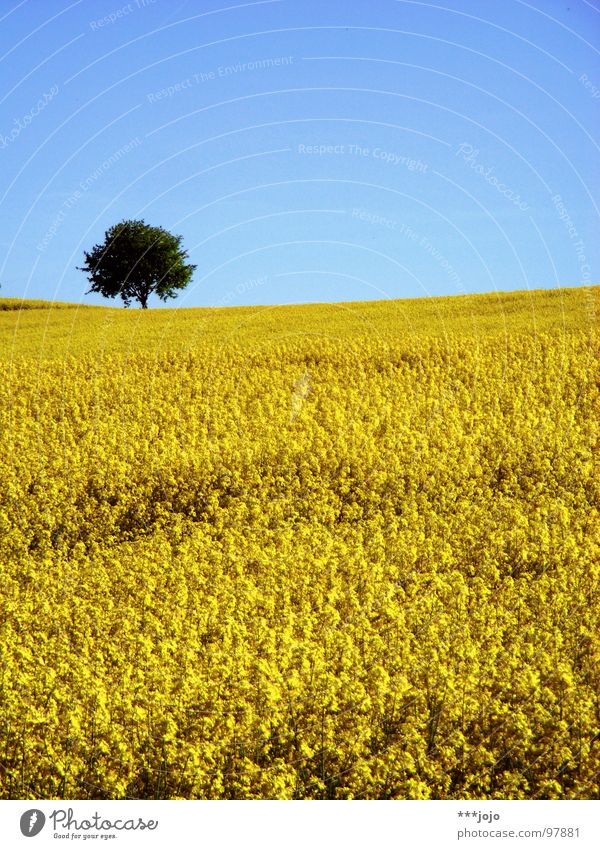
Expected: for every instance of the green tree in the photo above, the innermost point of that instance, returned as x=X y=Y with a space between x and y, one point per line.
x=135 y=261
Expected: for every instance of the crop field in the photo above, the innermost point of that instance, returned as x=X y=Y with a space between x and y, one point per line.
x=324 y=551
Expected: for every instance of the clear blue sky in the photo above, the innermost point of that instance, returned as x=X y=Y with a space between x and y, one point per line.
x=306 y=150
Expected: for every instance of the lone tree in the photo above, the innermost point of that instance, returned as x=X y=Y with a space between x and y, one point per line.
x=136 y=260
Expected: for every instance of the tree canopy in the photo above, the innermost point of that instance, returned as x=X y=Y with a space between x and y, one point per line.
x=137 y=260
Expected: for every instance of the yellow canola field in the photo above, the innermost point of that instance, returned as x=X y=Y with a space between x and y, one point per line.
x=333 y=551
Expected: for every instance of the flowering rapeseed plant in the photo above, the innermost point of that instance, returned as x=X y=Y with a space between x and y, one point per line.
x=244 y=558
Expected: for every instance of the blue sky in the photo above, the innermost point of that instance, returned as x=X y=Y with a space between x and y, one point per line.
x=306 y=151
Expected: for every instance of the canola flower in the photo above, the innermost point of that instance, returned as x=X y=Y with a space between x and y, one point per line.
x=339 y=551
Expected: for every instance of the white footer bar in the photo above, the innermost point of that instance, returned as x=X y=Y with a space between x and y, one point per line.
x=304 y=824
